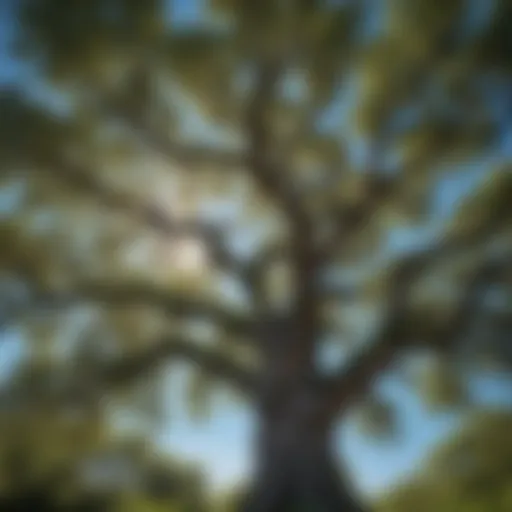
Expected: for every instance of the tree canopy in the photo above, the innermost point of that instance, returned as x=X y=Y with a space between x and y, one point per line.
x=58 y=458
x=251 y=189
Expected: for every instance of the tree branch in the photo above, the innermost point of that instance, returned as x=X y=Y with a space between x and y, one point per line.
x=140 y=86
x=85 y=385
x=127 y=369
x=260 y=161
x=379 y=187
x=80 y=177
x=186 y=155
x=268 y=173
x=395 y=335
x=128 y=294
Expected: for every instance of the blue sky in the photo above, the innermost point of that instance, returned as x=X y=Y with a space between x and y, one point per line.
x=223 y=444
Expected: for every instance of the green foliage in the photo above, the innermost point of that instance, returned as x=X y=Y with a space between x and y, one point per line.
x=71 y=37
x=471 y=472
x=28 y=135
x=69 y=455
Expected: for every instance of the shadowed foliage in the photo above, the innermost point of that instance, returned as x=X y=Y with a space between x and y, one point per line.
x=470 y=472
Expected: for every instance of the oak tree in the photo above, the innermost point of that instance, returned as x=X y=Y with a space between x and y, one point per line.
x=228 y=192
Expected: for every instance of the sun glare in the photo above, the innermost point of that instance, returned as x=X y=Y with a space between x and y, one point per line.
x=189 y=256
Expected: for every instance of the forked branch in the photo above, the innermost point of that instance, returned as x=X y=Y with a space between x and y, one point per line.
x=268 y=171
x=395 y=334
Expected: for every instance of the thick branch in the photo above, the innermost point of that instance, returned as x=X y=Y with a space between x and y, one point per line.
x=379 y=188
x=217 y=365
x=126 y=294
x=147 y=214
x=268 y=173
x=261 y=159
x=172 y=303
x=186 y=155
x=395 y=334
x=265 y=172
x=140 y=88
x=87 y=384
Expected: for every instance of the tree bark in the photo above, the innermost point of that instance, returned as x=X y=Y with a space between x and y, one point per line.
x=296 y=469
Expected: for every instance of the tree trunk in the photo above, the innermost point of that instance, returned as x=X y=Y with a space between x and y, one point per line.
x=296 y=470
